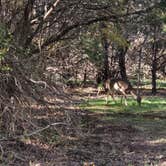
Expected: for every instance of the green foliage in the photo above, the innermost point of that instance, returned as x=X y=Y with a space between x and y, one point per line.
x=5 y=39
x=150 y=117
x=157 y=17
x=93 y=48
x=162 y=5
x=148 y=104
x=114 y=35
x=92 y=41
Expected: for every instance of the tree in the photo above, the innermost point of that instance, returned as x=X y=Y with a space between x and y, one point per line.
x=156 y=21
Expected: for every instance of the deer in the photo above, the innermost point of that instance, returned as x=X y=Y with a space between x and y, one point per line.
x=121 y=86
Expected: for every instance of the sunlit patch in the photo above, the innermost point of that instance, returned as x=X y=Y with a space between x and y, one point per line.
x=71 y=138
x=149 y=104
x=147 y=101
x=158 y=141
x=35 y=163
x=88 y=164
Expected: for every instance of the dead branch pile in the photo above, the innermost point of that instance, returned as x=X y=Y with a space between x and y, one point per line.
x=19 y=94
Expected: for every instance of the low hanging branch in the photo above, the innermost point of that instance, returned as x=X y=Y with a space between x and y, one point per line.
x=40 y=25
x=51 y=9
x=113 y=17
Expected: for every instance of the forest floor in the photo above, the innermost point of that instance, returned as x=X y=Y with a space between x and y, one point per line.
x=93 y=136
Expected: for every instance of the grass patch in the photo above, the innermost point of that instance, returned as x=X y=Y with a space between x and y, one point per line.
x=149 y=117
x=149 y=104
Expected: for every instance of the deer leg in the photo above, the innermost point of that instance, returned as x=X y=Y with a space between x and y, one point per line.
x=98 y=92
x=124 y=94
x=125 y=100
x=133 y=94
x=121 y=99
x=107 y=97
x=99 y=89
x=112 y=95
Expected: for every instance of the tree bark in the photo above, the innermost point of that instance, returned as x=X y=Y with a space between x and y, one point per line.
x=154 y=62
x=121 y=57
x=106 y=62
x=105 y=45
x=154 y=69
x=23 y=29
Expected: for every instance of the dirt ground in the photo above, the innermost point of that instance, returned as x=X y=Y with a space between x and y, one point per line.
x=89 y=139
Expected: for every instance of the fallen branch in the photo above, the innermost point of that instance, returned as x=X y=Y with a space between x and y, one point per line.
x=41 y=129
x=32 y=133
x=39 y=82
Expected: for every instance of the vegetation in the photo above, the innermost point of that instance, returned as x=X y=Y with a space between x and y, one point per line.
x=149 y=104
x=53 y=56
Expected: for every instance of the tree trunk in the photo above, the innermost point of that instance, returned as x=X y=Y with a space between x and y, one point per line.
x=154 y=70
x=154 y=63
x=121 y=57
x=105 y=44
x=84 y=78
x=139 y=77
x=154 y=89
x=23 y=29
x=106 y=62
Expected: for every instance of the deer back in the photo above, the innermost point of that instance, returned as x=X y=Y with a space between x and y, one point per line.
x=121 y=85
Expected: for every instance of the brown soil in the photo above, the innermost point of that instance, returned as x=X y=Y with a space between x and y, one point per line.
x=86 y=139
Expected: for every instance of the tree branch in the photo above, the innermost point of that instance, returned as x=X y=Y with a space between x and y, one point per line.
x=33 y=132
x=112 y=17
x=51 y=9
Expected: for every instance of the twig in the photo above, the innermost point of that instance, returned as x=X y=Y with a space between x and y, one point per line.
x=41 y=129
x=39 y=82
x=32 y=133
x=50 y=10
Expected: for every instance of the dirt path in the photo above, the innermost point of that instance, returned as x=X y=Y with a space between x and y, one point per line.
x=92 y=139
x=107 y=143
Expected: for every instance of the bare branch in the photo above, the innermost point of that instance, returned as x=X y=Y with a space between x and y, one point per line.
x=51 y=9
x=34 y=132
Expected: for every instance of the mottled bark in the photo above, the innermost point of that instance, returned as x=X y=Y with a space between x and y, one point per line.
x=154 y=69
x=121 y=57
x=105 y=44
x=106 y=62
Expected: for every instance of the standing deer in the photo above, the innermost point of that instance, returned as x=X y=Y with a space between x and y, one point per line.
x=123 y=87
